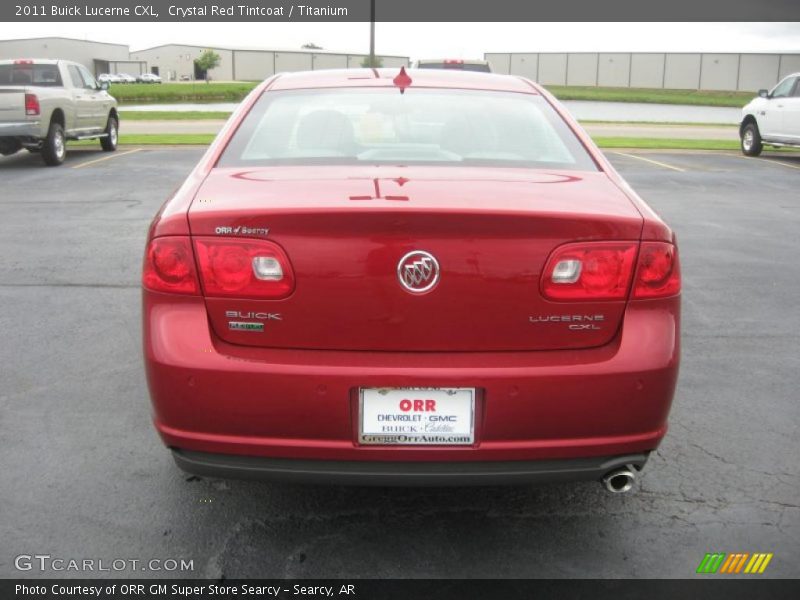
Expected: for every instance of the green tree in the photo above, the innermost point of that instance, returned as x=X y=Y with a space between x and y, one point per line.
x=378 y=63
x=208 y=60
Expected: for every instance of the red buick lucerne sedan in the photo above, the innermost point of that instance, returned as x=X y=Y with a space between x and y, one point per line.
x=422 y=277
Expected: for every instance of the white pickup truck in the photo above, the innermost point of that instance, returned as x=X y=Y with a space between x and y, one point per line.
x=44 y=103
x=772 y=118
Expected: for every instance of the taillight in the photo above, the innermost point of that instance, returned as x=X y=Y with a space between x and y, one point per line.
x=603 y=270
x=658 y=274
x=32 y=107
x=169 y=266
x=255 y=269
x=589 y=271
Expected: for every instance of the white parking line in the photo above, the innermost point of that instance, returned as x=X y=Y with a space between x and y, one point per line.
x=651 y=161
x=110 y=156
x=769 y=160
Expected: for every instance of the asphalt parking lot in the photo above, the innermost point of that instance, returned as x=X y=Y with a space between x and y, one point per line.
x=85 y=476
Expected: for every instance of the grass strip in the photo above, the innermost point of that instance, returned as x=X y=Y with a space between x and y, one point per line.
x=165 y=115
x=133 y=93
x=235 y=91
x=651 y=96
x=198 y=115
x=664 y=143
x=173 y=139
x=665 y=124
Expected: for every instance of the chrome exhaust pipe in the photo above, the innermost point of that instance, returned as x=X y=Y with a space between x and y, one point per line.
x=621 y=480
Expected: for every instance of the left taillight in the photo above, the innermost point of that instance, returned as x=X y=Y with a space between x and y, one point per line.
x=243 y=268
x=32 y=107
x=169 y=266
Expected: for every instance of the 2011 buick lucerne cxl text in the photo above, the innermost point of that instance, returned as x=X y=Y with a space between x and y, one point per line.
x=422 y=277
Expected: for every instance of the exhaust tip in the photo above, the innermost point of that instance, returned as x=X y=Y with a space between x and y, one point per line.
x=620 y=481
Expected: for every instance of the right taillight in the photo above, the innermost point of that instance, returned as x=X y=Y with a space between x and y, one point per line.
x=589 y=271
x=658 y=272
x=600 y=271
x=169 y=266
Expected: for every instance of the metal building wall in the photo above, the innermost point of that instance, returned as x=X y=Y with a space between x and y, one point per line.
x=757 y=71
x=291 y=61
x=682 y=71
x=526 y=65
x=175 y=61
x=251 y=65
x=719 y=72
x=328 y=61
x=613 y=70
x=501 y=62
x=128 y=67
x=354 y=61
x=552 y=69
x=710 y=71
x=394 y=61
x=582 y=69
x=647 y=70
x=80 y=51
x=788 y=64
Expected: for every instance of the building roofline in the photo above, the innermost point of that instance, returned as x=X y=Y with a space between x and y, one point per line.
x=280 y=50
x=788 y=53
x=61 y=37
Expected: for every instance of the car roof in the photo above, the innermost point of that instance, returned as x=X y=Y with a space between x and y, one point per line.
x=438 y=78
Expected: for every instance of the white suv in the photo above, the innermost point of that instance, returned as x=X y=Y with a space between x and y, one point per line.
x=773 y=118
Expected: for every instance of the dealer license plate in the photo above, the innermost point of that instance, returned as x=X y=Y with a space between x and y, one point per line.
x=417 y=416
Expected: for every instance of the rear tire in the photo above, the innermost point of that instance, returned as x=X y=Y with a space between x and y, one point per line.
x=751 y=140
x=54 y=148
x=109 y=143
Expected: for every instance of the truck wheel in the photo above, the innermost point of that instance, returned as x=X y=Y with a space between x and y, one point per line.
x=751 y=140
x=54 y=148
x=109 y=143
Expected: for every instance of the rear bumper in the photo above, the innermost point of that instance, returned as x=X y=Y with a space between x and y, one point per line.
x=21 y=129
x=214 y=398
x=403 y=473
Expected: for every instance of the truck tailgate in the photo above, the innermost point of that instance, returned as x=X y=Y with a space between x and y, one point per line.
x=12 y=104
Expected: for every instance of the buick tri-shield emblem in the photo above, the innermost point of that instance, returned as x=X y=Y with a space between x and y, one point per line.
x=418 y=272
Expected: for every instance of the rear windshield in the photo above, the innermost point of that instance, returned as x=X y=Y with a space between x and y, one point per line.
x=27 y=74
x=421 y=126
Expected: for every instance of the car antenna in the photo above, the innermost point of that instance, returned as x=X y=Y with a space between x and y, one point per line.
x=402 y=80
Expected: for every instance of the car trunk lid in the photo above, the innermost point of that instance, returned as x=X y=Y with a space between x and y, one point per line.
x=345 y=232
